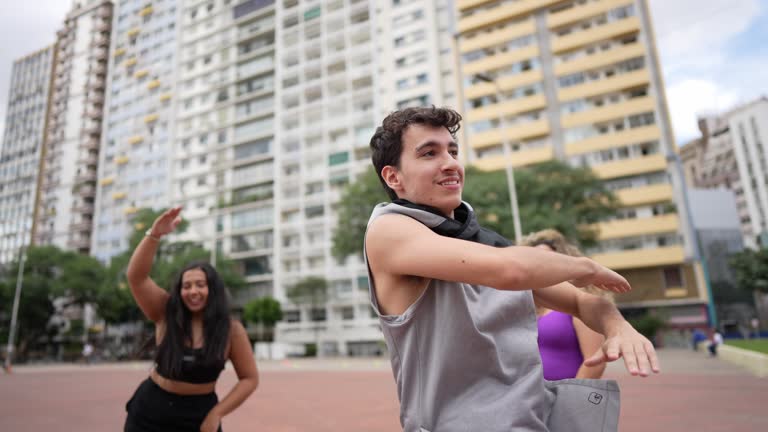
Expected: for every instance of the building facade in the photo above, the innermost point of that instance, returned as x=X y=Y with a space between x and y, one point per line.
x=134 y=160
x=580 y=81
x=22 y=149
x=731 y=153
x=69 y=169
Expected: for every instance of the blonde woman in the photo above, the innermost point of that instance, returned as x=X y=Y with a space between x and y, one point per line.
x=565 y=341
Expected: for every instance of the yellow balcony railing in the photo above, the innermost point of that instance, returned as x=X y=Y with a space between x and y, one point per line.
x=516 y=159
x=636 y=227
x=612 y=140
x=106 y=181
x=141 y=73
x=118 y=52
x=165 y=97
x=513 y=133
x=607 y=85
x=500 y=60
x=130 y=210
x=151 y=118
x=119 y=195
x=600 y=59
x=516 y=106
x=146 y=11
x=595 y=34
x=639 y=258
x=579 y=13
x=629 y=167
x=133 y=32
x=135 y=139
x=498 y=36
x=644 y=195
x=609 y=112
x=121 y=160
x=498 y=14
x=130 y=62
x=505 y=83
x=153 y=84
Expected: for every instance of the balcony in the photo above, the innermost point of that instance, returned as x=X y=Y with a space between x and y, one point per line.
x=579 y=13
x=507 y=108
x=85 y=190
x=151 y=118
x=132 y=33
x=607 y=85
x=153 y=84
x=79 y=243
x=600 y=59
x=516 y=159
x=107 y=181
x=645 y=195
x=630 y=167
x=118 y=52
x=499 y=36
x=136 y=139
x=613 y=140
x=498 y=14
x=84 y=225
x=146 y=11
x=513 y=133
x=595 y=34
x=638 y=258
x=609 y=112
x=82 y=207
x=500 y=60
x=89 y=159
x=636 y=227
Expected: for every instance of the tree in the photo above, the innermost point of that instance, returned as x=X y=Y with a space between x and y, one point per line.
x=265 y=312
x=49 y=273
x=357 y=201
x=751 y=269
x=550 y=195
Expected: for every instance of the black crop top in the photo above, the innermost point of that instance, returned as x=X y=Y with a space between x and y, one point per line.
x=193 y=370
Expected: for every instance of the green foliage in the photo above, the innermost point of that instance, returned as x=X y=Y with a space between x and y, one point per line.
x=311 y=290
x=265 y=310
x=357 y=202
x=758 y=345
x=549 y=195
x=751 y=269
x=648 y=325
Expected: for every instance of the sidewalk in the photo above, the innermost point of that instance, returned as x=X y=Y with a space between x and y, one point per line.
x=693 y=393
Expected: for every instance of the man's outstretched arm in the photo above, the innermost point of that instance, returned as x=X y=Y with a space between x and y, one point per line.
x=602 y=316
x=399 y=245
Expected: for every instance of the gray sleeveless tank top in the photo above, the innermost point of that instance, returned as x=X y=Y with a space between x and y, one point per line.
x=465 y=357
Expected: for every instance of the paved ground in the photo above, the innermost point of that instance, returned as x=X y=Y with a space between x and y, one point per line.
x=693 y=393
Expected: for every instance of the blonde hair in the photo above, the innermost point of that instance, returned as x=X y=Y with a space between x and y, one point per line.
x=557 y=242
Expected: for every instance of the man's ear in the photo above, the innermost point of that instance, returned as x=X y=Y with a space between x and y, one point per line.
x=389 y=174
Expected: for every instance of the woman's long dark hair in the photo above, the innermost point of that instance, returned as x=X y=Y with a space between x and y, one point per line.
x=178 y=324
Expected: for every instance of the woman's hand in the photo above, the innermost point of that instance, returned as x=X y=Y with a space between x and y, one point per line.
x=166 y=222
x=211 y=422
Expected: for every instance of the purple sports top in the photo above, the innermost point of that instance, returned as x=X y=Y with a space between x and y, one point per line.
x=559 y=346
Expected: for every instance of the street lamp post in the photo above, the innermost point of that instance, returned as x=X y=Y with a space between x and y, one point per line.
x=507 y=160
x=15 y=313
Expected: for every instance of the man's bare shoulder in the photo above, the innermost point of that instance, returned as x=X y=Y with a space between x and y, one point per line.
x=390 y=229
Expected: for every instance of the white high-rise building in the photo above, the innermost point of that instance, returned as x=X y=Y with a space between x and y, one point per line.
x=69 y=168
x=22 y=147
x=135 y=155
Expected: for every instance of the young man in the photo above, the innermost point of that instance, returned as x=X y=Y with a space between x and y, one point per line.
x=457 y=313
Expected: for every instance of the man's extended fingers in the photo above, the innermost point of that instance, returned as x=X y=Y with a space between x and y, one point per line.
x=654 y=359
x=596 y=358
x=642 y=360
x=630 y=359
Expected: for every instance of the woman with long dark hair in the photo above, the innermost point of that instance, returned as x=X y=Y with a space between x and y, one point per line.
x=195 y=337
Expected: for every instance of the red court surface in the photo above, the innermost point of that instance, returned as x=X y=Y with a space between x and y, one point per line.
x=693 y=394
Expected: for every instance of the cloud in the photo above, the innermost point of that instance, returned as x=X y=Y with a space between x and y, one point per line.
x=693 y=97
x=700 y=70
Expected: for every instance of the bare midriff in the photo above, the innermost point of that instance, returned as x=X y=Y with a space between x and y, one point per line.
x=181 y=387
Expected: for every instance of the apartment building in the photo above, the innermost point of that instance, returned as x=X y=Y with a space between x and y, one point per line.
x=579 y=81
x=415 y=55
x=223 y=164
x=68 y=180
x=136 y=142
x=22 y=149
x=731 y=153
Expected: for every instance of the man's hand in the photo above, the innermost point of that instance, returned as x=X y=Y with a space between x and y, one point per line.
x=603 y=278
x=637 y=351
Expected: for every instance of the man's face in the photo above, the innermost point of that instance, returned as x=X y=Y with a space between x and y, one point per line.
x=430 y=172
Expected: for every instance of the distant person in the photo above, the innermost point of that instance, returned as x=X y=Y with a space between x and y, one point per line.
x=195 y=337
x=697 y=337
x=755 y=323
x=565 y=341
x=715 y=342
x=87 y=352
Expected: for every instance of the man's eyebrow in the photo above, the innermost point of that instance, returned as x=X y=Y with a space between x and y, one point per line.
x=420 y=147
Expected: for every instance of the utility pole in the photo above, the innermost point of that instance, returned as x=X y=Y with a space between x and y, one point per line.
x=15 y=313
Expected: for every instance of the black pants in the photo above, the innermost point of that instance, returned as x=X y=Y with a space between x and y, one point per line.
x=152 y=409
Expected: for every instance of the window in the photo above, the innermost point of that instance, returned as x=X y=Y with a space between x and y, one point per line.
x=673 y=277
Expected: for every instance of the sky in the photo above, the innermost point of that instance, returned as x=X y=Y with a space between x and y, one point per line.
x=712 y=51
